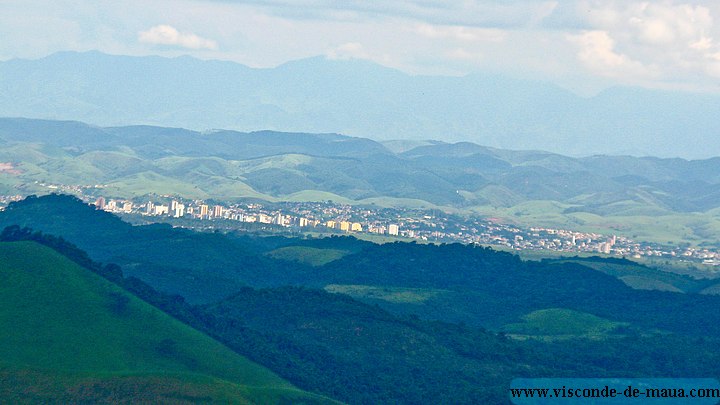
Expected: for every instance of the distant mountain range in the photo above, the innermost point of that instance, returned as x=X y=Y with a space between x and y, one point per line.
x=359 y=98
x=649 y=198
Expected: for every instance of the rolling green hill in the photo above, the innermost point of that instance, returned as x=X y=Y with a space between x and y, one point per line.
x=69 y=334
x=651 y=199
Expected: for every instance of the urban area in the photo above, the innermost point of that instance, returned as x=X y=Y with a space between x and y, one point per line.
x=402 y=223
x=410 y=224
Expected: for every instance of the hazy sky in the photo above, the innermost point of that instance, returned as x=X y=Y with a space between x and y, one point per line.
x=583 y=44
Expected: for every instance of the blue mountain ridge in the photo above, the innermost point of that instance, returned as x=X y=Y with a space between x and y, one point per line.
x=359 y=98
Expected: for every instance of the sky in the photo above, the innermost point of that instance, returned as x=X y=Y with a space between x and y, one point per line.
x=583 y=45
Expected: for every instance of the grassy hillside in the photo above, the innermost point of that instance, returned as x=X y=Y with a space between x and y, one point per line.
x=640 y=276
x=712 y=290
x=65 y=328
x=389 y=294
x=559 y=323
x=307 y=255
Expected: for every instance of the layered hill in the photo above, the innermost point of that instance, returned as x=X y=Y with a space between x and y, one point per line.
x=71 y=336
x=455 y=283
x=396 y=323
x=652 y=199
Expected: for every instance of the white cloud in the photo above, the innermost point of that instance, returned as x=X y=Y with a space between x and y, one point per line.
x=597 y=53
x=168 y=35
x=702 y=44
x=655 y=43
x=475 y=13
x=459 y=33
x=462 y=54
x=350 y=50
x=665 y=24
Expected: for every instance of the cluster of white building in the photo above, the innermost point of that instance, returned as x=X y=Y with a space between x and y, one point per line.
x=345 y=219
x=202 y=211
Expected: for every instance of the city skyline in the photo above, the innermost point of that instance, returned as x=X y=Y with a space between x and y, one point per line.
x=409 y=224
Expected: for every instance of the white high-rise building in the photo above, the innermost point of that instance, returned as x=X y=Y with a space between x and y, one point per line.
x=218 y=211
x=179 y=210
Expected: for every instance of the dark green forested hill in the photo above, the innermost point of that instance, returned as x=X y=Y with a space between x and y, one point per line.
x=485 y=287
x=363 y=354
x=322 y=342
x=457 y=283
x=360 y=353
x=314 y=322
